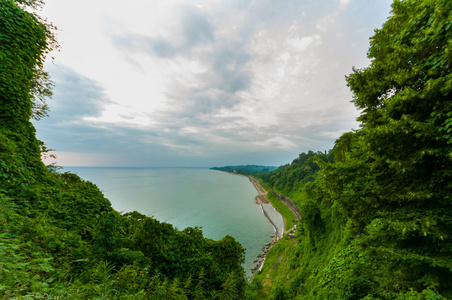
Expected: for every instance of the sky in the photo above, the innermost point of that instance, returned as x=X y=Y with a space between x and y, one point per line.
x=181 y=83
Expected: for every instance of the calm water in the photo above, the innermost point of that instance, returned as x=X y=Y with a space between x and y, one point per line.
x=222 y=204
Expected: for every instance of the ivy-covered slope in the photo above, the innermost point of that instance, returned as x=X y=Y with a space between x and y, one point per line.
x=377 y=223
x=59 y=236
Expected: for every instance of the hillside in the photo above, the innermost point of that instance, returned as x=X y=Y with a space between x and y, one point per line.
x=376 y=220
x=248 y=170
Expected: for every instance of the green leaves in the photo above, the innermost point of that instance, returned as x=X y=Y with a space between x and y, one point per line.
x=446 y=126
x=399 y=172
x=25 y=39
x=300 y=171
x=385 y=205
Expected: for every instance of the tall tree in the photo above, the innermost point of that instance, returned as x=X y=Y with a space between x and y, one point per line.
x=25 y=40
x=396 y=187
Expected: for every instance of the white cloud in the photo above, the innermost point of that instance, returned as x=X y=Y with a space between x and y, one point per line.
x=278 y=142
x=344 y=3
x=324 y=23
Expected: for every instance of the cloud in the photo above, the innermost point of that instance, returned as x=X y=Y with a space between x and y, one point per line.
x=144 y=44
x=75 y=98
x=81 y=137
x=206 y=83
x=193 y=29
x=278 y=142
x=86 y=95
x=344 y=3
x=327 y=21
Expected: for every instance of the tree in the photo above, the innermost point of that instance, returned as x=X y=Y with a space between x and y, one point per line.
x=396 y=186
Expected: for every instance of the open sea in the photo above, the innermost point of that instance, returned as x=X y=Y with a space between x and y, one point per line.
x=221 y=203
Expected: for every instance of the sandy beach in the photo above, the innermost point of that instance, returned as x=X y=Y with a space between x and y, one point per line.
x=262 y=193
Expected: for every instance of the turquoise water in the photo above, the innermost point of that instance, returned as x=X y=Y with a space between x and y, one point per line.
x=221 y=203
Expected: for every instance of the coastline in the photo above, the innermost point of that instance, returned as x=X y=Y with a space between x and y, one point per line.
x=266 y=206
x=261 y=199
x=272 y=214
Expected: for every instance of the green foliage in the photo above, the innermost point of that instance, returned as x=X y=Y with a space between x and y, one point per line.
x=302 y=170
x=287 y=214
x=312 y=220
x=396 y=186
x=248 y=170
x=26 y=39
x=344 y=145
x=376 y=223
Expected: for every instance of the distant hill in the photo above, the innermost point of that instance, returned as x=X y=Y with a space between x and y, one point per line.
x=246 y=170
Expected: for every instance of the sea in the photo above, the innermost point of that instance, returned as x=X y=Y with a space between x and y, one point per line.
x=219 y=203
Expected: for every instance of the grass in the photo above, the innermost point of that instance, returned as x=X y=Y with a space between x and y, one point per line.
x=289 y=217
x=276 y=264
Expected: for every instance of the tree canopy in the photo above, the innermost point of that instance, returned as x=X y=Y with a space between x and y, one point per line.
x=396 y=184
x=378 y=221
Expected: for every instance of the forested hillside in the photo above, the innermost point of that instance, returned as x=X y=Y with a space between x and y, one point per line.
x=291 y=178
x=249 y=170
x=59 y=236
x=377 y=222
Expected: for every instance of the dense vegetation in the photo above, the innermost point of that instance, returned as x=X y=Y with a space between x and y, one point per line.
x=249 y=170
x=59 y=236
x=376 y=210
x=291 y=178
x=377 y=222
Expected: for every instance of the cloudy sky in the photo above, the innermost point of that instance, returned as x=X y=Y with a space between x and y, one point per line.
x=203 y=83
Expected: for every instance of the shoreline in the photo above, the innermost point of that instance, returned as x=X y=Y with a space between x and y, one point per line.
x=265 y=204
x=261 y=199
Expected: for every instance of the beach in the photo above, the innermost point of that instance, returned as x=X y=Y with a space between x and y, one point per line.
x=272 y=214
x=274 y=217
